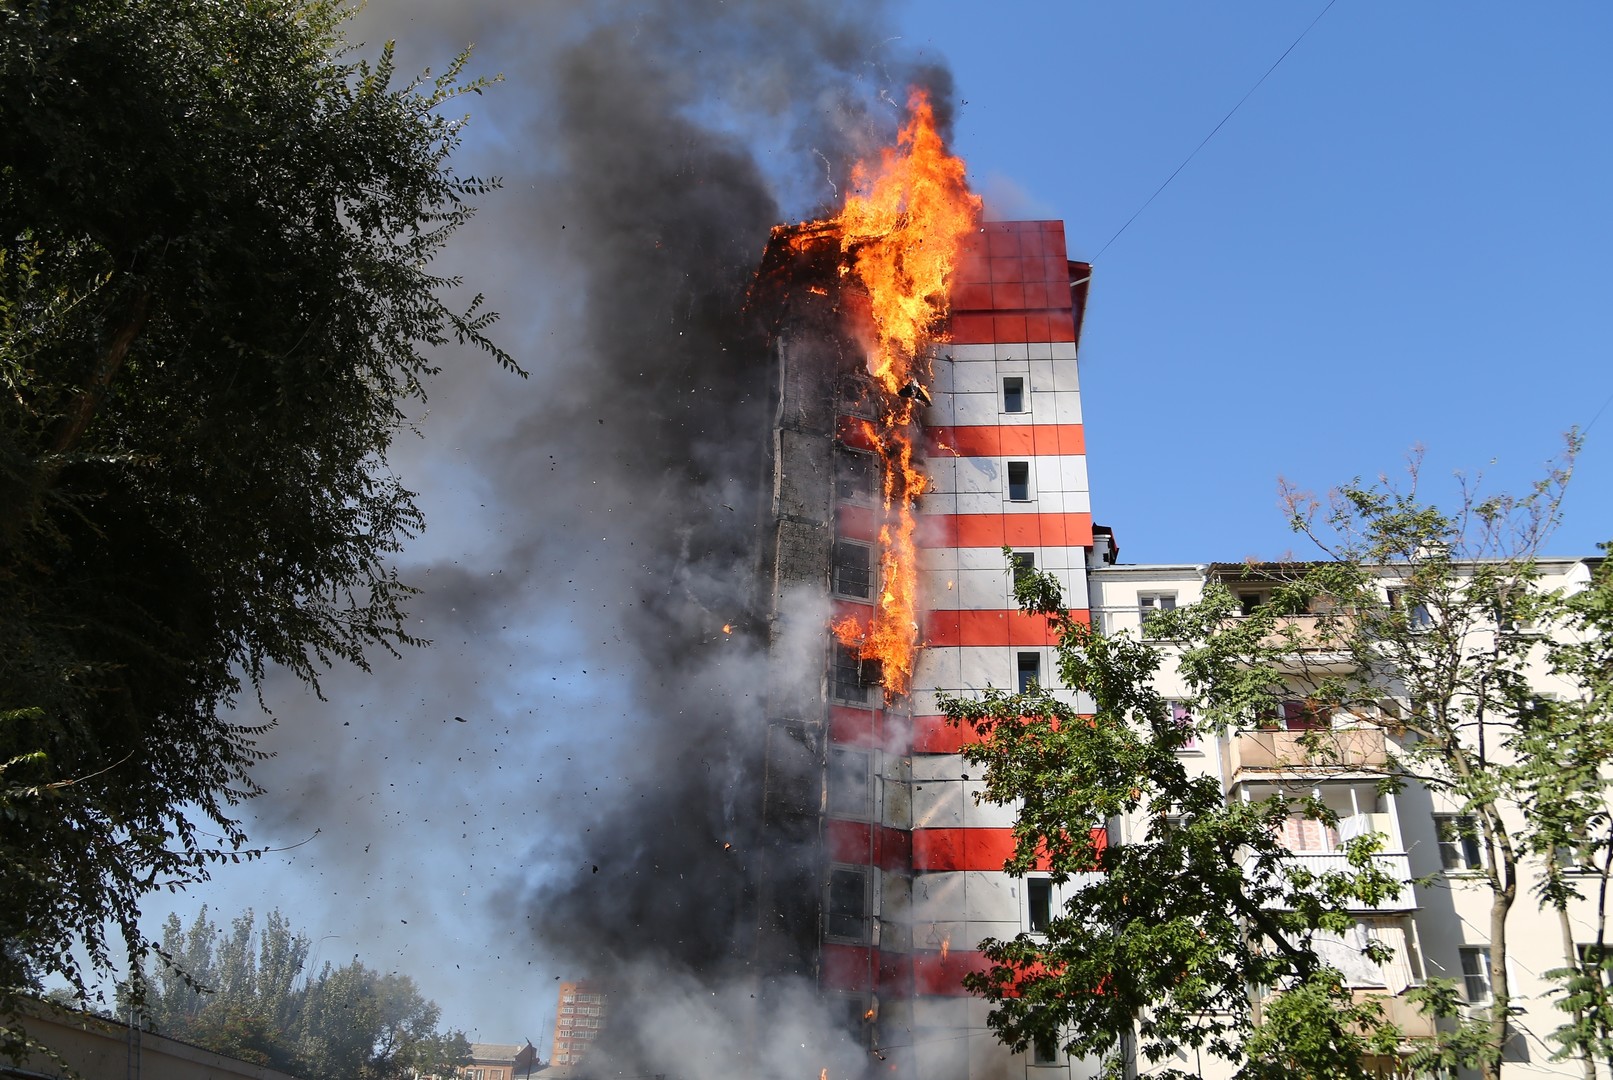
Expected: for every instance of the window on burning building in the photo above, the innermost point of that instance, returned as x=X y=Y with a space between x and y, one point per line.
x=853 y=570
x=851 y=785
x=847 y=908
x=846 y=676
x=1029 y=671
x=1019 y=481
x=1039 y=904
x=856 y=476
x=1014 y=393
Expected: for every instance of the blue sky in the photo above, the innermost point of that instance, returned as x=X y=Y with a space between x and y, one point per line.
x=1398 y=239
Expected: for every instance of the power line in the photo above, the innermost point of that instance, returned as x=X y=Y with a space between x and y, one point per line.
x=1213 y=130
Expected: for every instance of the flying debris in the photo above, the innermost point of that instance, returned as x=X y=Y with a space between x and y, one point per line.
x=914 y=390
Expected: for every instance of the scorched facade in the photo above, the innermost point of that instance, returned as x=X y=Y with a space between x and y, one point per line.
x=902 y=871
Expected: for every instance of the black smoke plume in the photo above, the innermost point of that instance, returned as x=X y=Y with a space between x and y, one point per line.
x=578 y=749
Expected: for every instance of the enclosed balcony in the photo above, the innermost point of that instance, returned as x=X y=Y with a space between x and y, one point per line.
x=1307 y=750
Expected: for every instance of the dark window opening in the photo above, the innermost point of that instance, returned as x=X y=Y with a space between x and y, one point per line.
x=845 y=676
x=1039 y=893
x=1030 y=671
x=1014 y=394
x=1248 y=601
x=1024 y=563
x=1044 y=1050
x=1019 y=481
x=853 y=570
x=848 y=903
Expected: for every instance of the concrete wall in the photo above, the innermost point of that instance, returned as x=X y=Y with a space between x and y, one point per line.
x=98 y=1049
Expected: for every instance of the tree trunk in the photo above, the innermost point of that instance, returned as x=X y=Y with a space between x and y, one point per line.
x=1571 y=957
x=94 y=390
x=1500 y=985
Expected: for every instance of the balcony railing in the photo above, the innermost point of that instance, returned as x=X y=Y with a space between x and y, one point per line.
x=1358 y=748
x=1396 y=865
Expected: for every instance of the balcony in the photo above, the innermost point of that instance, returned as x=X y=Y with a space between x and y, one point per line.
x=1357 y=749
x=1395 y=864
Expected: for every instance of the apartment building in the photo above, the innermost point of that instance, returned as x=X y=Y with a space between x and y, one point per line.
x=579 y=1019
x=1439 y=924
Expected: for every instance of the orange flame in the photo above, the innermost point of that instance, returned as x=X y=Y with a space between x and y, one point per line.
x=946 y=946
x=728 y=628
x=902 y=227
x=900 y=232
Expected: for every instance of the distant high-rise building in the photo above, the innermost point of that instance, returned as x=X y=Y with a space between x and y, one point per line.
x=578 y=1018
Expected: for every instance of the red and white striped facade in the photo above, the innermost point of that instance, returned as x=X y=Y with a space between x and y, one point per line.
x=1006 y=401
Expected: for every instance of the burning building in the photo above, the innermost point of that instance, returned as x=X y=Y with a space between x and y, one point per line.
x=927 y=417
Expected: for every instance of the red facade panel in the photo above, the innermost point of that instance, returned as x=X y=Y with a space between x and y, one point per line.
x=1032 y=440
x=862 y=844
x=1011 y=530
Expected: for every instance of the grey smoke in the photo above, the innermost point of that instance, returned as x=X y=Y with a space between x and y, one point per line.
x=591 y=529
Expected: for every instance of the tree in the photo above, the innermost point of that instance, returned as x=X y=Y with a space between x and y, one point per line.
x=1165 y=932
x=245 y=992
x=1434 y=626
x=216 y=232
x=1440 y=605
x=1563 y=778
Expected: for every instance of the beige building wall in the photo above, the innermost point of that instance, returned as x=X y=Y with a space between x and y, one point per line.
x=1436 y=922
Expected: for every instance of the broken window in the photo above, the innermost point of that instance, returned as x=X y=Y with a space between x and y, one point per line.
x=846 y=913
x=856 y=476
x=846 y=676
x=853 y=570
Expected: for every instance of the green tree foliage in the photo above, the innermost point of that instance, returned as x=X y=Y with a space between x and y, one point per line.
x=245 y=992
x=1563 y=778
x=216 y=233
x=1194 y=935
x=1446 y=614
x=1168 y=928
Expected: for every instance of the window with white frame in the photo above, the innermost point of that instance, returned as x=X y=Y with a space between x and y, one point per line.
x=1019 y=481
x=1183 y=719
x=1028 y=671
x=1418 y=617
x=1024 y=563
x=1038 y=904
x=1459 y=846
x=1476 y=974
x=1013 y=393
x=1151 y=604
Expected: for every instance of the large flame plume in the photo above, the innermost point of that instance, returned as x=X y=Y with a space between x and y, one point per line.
x=900 y=232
